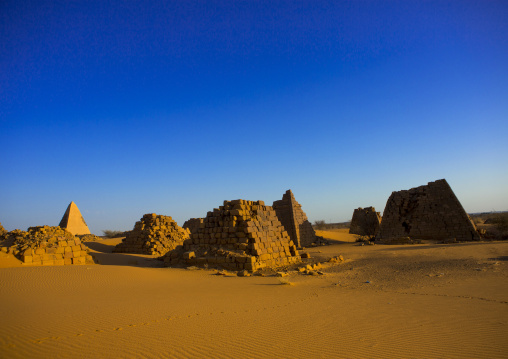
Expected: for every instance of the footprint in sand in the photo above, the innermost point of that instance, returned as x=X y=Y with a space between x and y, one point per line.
x=119 y=329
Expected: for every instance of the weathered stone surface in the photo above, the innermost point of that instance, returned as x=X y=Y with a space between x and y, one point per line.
x=193 y=224
x=294 y=220
x=73 y=221
x=426 y=212
x=153 y=234
x=240 y=235
x=2 y=230
x=46 y=245
x=365 y=222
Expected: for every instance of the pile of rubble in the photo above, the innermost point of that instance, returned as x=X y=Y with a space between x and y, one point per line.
x=46 y=245
x=153 y=234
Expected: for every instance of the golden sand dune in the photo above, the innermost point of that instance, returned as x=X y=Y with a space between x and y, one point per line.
x=418 y=301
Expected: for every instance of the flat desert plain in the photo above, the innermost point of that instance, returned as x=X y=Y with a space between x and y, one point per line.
x=402 y=301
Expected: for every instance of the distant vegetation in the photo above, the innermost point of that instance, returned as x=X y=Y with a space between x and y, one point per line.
x=113 y=234
x=495 y=224
x=322 y=225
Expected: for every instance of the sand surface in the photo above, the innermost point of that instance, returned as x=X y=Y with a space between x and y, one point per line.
x=413 y=301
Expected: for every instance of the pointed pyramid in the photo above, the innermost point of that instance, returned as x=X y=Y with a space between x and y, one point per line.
x=294 y=220
x=426 y=212
x=73 y=221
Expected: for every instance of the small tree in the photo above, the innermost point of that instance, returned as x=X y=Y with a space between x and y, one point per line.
x=320 y=224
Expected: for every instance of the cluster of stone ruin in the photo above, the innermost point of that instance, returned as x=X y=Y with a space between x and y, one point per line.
x=426 y=212
x=248 y=235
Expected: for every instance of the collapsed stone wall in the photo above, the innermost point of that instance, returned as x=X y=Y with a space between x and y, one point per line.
x=153 y=234
x=46 y=245
x=365 y=222
x=294 y=220
x=431 y=211
x=193 y=224
x=240 y=235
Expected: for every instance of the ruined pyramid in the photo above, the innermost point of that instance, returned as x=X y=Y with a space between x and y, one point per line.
x=73 y=221
x=153 y=234
x=46 y=245
x=240 y=235
x=294 y=220
x=365 y=222
x=426 y=212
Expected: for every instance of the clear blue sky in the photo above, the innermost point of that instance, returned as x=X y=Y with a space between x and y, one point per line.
x=134 y=107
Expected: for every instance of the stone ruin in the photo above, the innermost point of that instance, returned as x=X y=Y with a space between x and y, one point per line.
x=365 y=222
x=294 y=220
x=240 y=235
x=2 y=230
x=193 y=224
x=153 y=234
x=46 y=245
x=73 y=221
x=426 y=212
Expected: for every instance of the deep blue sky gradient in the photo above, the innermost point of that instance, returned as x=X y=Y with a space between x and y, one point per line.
x=132 y=107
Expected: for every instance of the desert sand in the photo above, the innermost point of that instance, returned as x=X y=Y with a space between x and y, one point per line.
x=401 y=301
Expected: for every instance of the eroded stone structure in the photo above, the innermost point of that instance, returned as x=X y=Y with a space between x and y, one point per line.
x=73 y=221
x=294 y=220
x=365 y=222
x=153 y=234
x=46 y=245
x=426 y=212
x=240 y=235
x=2 y=230
x=193 y=224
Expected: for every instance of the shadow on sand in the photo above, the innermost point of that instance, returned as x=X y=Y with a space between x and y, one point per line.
x=103 y=255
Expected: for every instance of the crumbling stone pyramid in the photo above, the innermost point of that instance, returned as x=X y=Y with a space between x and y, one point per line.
x=46 y=245
x=153 y=234
x=240 y=235
x=294 y=220
x=426 y=212
x=365 y=222
x=2 y=230
x=193 y=224
x=73 y=221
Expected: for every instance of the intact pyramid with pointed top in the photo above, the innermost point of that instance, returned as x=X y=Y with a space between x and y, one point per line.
x=73 y=221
